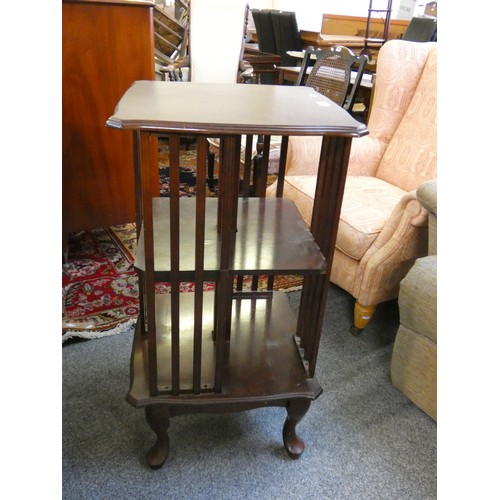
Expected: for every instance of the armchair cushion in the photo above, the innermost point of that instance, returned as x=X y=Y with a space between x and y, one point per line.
x=368 y=203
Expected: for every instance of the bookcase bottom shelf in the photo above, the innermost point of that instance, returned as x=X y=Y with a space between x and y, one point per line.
x=262 y=363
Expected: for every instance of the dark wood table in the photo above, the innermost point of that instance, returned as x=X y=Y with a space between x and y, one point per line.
x=230 y=349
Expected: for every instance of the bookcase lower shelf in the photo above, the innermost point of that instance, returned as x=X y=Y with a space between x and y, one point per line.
x=263 y=365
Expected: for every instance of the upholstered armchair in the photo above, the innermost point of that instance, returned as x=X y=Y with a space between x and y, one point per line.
x=383 y=226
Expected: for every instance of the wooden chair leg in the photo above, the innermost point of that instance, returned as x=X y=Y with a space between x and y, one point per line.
x=362 y=315
x=210 y=170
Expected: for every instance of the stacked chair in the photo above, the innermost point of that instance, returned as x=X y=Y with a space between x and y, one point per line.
x=277 y=33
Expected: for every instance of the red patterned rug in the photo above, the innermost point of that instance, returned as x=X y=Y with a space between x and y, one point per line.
x=100 y=290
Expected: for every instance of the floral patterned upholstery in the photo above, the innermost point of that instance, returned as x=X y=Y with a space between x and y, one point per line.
x=383 y=227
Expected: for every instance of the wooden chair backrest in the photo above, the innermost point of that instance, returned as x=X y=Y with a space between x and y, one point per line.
x=331 y=74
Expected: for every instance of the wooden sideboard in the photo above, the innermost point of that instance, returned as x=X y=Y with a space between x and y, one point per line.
x=350 y=31
x=106 y=45
x=334 y=24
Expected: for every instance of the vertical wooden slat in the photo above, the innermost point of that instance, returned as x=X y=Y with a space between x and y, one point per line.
x=139 y=200
x=137 y=181
x=255 y=282
x=230 y=152
x=260 y=169
x=239 y=283
x=270 y=282
x=221 y=183
x=281 y=170
x=247 y=170
x=243 y=230
x=147 y=227
x=201 y=152
x=174 y=170
x=332 y=173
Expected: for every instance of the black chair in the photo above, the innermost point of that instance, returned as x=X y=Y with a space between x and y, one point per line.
x=331 y=73
x=265 y=37
x=277 y=33
x=265 y=31
x=286 y=34
x=421 y=29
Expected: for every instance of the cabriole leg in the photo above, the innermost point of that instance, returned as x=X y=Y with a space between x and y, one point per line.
x=158 y=418
x=296 y=410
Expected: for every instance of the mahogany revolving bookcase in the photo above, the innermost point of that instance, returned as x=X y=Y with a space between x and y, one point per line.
x=229 y=349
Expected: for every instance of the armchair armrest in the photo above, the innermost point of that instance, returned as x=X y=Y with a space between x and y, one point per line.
x=402 y=240
x=427 y=195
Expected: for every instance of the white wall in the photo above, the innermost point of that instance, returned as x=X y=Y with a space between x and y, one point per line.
x=227 y=37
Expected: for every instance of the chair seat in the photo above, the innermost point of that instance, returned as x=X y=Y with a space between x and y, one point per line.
x=368 y=202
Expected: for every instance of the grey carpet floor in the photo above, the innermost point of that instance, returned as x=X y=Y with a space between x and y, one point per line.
x=364 y=439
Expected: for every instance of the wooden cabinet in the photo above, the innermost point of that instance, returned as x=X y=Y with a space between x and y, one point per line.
x=106 y=46
x=228 y=349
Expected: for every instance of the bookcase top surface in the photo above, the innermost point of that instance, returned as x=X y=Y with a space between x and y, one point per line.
x=224 y=109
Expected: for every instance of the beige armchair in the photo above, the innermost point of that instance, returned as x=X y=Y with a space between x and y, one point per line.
x=383 y=227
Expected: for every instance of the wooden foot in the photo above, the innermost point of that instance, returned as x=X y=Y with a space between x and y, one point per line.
x=158 y=418
x=296 y=410
x=362 y=315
